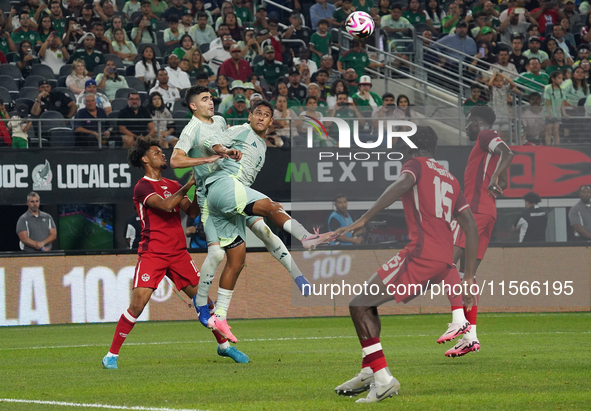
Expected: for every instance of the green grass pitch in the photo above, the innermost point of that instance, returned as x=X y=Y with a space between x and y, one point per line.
x=527 y=361
x=76 y=232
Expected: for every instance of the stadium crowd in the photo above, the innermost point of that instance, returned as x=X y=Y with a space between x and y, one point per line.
x=133 y=60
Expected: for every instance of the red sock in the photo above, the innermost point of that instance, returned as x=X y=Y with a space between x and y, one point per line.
x=219 y=337
x=471 y=315
x=374 y=356
x=124 y=327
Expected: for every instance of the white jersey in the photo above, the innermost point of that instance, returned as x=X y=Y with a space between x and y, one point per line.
x=195 y=140
x=253 y=150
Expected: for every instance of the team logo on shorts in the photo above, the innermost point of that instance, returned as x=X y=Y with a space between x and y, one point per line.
x=145 y=277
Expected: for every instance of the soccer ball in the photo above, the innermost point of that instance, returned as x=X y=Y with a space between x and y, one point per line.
x=359 y=24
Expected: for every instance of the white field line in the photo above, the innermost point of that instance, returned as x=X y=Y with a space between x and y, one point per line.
x=82 y=405
x=106 y=345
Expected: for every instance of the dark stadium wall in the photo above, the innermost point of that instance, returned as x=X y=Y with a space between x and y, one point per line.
x=66 y=289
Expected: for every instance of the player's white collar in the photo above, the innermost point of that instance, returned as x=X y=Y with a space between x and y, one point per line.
x=150 y=179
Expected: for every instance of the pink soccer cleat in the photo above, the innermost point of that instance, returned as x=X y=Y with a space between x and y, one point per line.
x=463 y=347
x=222 y=327
x=453 y=330
x=316 y=239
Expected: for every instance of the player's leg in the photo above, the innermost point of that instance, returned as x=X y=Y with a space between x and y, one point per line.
x=556 y=134
x=236 y=256
x=459 y=325
x=139 y=298
x=279 y=251
x=548 y=134
x=274 y=211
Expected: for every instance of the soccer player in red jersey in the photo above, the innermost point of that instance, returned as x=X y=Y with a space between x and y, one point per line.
x=162 y=249
x=484 y=178
x=431 y=198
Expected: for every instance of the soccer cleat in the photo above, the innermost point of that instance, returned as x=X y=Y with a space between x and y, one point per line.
x=203 y=311
x=222 y=327
x=235 y=354
x=311 y=242
x=356 y=385
x=453 y=330
x=301 y=281
x=378 y=392
x=110 y=362
x=463 y=347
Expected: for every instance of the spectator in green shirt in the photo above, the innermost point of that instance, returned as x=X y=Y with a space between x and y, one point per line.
x=269 y=68
x=534 y=79
x=91 y=57
x=356 y=58
x=395 y=24
x=474 y=100
x=454 y=15
x=242 y=12
x=57 y=19
x=320 y=41
x=415 y=15
x=237 y=114
x=364 y=5
x=341 y=14
x=365 y=98
x=24 y=32
x=146 y=9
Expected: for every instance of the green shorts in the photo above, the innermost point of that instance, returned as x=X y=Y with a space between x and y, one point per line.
x=18 y=142
x=226 y=200
x=211 y=234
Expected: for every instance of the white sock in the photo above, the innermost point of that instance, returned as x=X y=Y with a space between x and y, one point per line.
x=471 y=335
x=215 y=255
x=296 y=229
x=224 y=346
x=110 y=354
x=367 y=370
x=276 y=247
x=458 y=316
x=382 y=376
x=461 y=273
x=223 y=303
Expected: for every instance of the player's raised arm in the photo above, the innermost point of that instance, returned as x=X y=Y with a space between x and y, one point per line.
x=498 y=181
x=230 y=152
x=388 y=197
x=168 y=204
x=180 y=159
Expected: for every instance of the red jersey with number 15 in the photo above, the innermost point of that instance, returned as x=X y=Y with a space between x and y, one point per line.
x=429 y=207
x=482 y=163
x=162 y=232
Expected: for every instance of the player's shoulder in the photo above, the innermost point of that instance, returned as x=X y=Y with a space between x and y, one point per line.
x=169 y=183
x=487 y=135
x=219 y=120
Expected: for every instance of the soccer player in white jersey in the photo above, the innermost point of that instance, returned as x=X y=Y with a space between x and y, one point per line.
x=193 y=145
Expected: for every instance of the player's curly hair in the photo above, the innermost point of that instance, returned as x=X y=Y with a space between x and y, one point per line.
x=425 y=139
x=485 y=113
x=139 y=149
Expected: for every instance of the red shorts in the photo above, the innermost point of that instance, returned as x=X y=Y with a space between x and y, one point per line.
x=401 y=272
x=151 y=269
x=485 y=224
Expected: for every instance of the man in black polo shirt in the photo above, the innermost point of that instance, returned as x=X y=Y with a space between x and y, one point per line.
x=131 y=130
x=36 y=229
x=49 y=100
x=295 y=89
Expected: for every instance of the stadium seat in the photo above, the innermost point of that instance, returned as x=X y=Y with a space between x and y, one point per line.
x=26 y=101
x=124 y=92
x=172 y=47
x=180 y=120
x=29 y=92
x=258 y=58
x=99 y=68
x=113 y=116
x=61 y=81
x=160 y=39
x=67 y=92
x=130 y=71
x=11 y=85
x=33 y=81
x=136 y=83
x=12 y=71
x=179 y=105
x=43 y=70
x=183 y=92
x=57 y=120
x=118 y=62
x=134 y=16
x=10 y=56
x=61 y=137
x=204 y=48
x=5 y=95
x=118 y=104
x=66 y=70
x=163 y=25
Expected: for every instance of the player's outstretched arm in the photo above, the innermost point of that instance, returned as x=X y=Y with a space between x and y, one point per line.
x=497 y=183
x=389 y=196
x=179 y=159
x=174 y=200
x=191 y=208
x=468 y=225
x=230 y=152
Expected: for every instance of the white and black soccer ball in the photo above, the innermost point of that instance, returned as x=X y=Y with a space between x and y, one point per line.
x=359 y=24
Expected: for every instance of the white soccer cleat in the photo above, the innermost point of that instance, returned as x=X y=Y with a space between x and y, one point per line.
x=311 y=242
x=378 y=392
x=453 y=330
x=356 y=385
x=463 y=347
